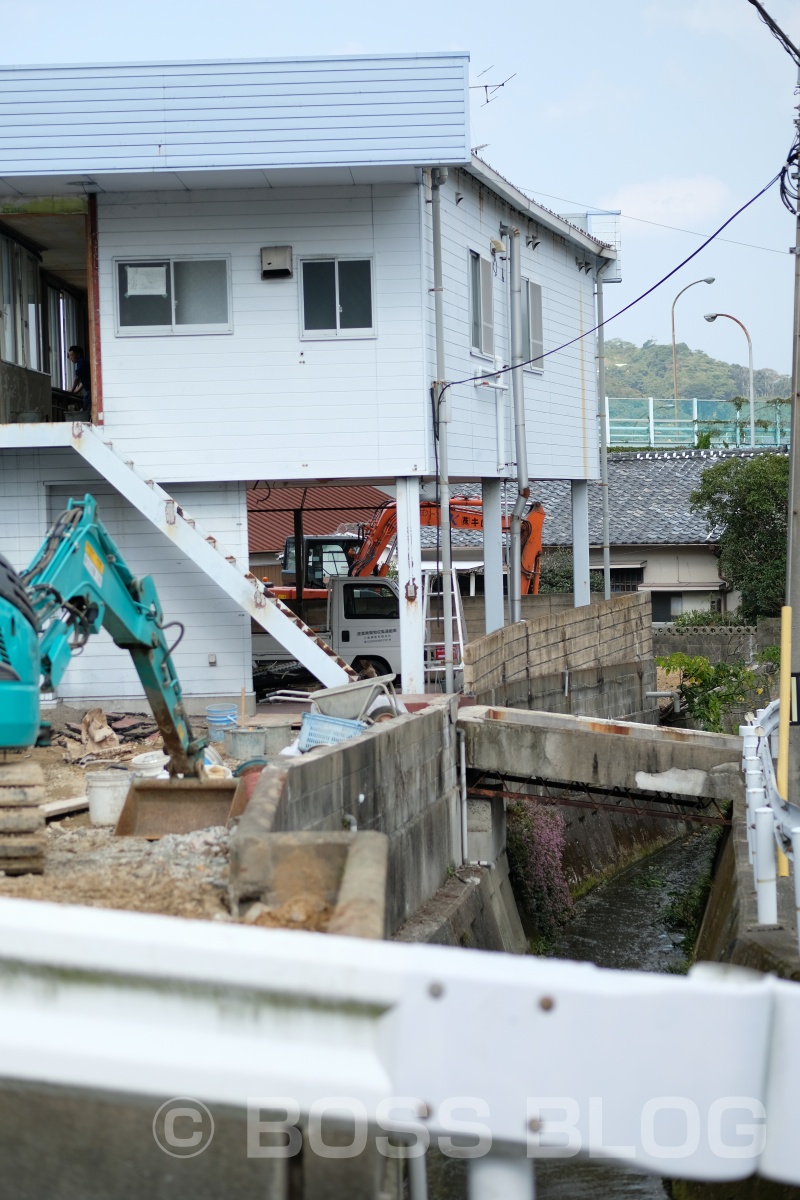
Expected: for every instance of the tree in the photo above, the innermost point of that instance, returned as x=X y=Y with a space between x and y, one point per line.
x=744 y=502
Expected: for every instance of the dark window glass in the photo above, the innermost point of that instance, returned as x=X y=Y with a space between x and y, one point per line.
x=475 y=296
x=371 y=602
x=145 y=294
x=355 y=295
x=626 y=579
x=319 y=295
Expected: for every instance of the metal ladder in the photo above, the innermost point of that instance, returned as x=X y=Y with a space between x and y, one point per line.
x=432 y=617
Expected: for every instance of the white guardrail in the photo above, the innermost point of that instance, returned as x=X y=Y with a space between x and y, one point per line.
x=772 y=823
x=496 y=1058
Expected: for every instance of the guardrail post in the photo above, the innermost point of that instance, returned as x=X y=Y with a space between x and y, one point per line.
x=796 y=872
x=755 y=797
x=500 y=1177
x=766 y=881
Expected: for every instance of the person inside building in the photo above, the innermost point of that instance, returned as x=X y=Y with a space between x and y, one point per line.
x=83 y=379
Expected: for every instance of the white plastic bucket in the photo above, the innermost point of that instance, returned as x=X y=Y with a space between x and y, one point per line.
x=149 y=765
x=106 y=791
x=220 y=717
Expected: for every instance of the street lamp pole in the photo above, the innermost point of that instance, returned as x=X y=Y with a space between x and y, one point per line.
x=713 y=317
x=709 y=279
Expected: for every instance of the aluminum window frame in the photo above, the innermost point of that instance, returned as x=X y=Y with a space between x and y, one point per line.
x=533 y=346
x=173 y=330
x=337 y=334
x=477 y=304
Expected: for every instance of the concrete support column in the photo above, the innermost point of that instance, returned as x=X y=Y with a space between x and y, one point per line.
x=409 y=578
x=493 y=554
x=580 y=542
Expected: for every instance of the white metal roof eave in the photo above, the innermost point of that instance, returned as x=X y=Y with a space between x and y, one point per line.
x=542 y=216
x=165 y=64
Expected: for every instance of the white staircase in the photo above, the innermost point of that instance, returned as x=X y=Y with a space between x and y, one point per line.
x=201 y=547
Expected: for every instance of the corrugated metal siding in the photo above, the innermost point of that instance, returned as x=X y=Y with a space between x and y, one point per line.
x=213 y=622
x=270 y=515
x=561 y=402
x=262 y=403
x=261 y=113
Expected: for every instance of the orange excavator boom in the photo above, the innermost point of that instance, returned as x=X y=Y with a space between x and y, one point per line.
x=466 y=512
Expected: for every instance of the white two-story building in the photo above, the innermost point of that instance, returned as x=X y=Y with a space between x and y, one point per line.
x=245 y=252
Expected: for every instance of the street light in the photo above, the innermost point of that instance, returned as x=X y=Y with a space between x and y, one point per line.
x=713 y=317
x=709 y=279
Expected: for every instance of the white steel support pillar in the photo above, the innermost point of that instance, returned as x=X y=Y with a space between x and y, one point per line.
x=409 y=578
x=580 y=542
x=492 y=491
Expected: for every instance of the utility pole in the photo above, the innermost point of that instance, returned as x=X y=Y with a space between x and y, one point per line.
x=793 y=532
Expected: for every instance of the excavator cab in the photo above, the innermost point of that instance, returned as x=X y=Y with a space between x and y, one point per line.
x=19 y=658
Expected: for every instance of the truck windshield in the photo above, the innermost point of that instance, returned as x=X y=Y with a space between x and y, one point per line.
x=370 y=602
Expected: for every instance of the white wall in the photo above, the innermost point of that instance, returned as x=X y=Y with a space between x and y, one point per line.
x=34 y=486
x=561 y=399
x=262 y=403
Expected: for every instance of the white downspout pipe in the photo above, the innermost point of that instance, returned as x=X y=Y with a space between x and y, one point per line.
x=518 y=393
x=441 y=422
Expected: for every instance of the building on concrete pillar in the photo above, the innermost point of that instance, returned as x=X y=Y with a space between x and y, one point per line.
x=302 y=269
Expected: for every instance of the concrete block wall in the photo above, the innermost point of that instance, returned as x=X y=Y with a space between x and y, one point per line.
x=399 y=778
x=591 y=661
x=718 y=644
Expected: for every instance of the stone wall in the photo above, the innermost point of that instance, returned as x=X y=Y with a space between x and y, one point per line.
x=592 y=661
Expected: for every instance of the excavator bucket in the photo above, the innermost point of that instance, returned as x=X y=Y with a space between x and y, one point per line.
x=155 y=807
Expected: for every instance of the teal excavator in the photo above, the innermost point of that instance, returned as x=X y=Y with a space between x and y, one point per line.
x=77 y=584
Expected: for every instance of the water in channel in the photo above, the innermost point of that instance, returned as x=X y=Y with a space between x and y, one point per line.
x=622 y=924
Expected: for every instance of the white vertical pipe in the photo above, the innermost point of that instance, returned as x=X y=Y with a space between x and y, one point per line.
x=462 y=762
x=442 y=402
x=493 y=1177
x=409 y=578
x=651 y=420
x=492 y=492
x=796 y=873
x=580 y=542
x=766 y=879
x=520 y=436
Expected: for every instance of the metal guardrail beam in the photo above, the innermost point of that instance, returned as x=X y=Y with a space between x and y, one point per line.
x=534 y=1057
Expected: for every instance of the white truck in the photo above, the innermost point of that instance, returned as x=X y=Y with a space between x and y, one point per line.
x=361 y=624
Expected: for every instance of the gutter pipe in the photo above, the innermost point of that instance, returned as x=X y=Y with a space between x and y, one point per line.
x=441 y=422
x=518 y=393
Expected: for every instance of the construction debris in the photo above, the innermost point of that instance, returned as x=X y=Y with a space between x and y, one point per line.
x=96 y=734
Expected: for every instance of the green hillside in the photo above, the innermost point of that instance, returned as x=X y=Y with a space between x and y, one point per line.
x=647 y=371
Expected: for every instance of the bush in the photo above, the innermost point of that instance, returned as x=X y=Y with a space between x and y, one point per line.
x=535 y=857
x=556 y=572
x=710 y=691
x=697 y=619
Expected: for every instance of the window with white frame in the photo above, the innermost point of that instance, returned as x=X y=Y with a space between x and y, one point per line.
x=481 y=299
x=532 y=336
x=337 y=298
x=173 y=295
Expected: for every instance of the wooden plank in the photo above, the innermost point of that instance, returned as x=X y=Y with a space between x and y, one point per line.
x=62 y=808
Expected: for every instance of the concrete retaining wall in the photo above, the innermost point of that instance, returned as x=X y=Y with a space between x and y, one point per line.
x=594 y=661
x=399 y=778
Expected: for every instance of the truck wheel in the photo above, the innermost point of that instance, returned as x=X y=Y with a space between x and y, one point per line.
x=379 y=665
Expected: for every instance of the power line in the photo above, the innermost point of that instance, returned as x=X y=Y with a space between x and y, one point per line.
x=776 y=31
x=579 y=338
x=644 y=221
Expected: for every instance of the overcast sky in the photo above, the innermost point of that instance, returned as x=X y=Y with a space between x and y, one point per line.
x=675 y=111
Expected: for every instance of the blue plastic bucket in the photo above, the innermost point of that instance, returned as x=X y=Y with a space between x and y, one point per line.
x=220 y=717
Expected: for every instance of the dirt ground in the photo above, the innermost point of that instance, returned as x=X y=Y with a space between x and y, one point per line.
x=180 y=875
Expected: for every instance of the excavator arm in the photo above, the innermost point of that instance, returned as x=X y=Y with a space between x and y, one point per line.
x=77 y=584
x=466 y=512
